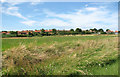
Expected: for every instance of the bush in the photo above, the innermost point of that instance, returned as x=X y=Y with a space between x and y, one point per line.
x=103 y=33
x=10 y=35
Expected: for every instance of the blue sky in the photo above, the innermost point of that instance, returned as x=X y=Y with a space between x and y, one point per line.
x=59 y=15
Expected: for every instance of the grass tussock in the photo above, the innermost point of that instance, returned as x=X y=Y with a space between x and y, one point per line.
x=71 y=57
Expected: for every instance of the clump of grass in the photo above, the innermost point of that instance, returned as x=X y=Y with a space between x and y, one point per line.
x=21 y=57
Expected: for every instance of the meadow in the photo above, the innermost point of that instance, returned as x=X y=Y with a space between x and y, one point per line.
x=60 y=55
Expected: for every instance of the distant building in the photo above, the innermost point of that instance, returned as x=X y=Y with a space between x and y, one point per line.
x=5 y=32
x=109 y=32
x=8 y=32
x=38 y=31
x=99 y=32
x=116 y=32
x=24 y=32
x=48 y=30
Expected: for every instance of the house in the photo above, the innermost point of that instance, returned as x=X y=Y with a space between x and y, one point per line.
x=4 y=32
x=8 y=33
x=99 y=32
x=48 y=30
x=23 y=32
x=38 y=31
x=18 y=32
x=109 y=32
x=91 y=30
x=116 y=32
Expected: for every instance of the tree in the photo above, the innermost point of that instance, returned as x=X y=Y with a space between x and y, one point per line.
x=17 y=33
x=92 y=29
x=78 y=30
x=13 y=33
x=42 y=32
x=46 y=34
x=107 y=30
x=83 y=32
x=35 y=33
x=101 y=30
x=87 y=32
x=72 y=30
x=95 y=30
x=31 y=34
x=103 y=33
x=54 y=31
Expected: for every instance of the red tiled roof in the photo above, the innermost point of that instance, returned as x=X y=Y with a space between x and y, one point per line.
x=8 y=32
x=109 y=31
x=3 y=32
x=50 y=30
x=46 y=30
x=37 y=31
x=25 y=31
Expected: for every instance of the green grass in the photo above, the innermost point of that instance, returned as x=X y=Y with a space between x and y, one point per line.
x=10 y=43
x=111 y=69
x=69 y=55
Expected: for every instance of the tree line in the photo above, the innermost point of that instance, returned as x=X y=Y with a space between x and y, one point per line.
x=57 y=32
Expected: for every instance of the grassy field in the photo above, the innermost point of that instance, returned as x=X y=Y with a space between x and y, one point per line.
x=61 y=55
x=8 y=43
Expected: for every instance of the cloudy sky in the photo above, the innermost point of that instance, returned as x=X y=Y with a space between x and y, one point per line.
x=59 y=15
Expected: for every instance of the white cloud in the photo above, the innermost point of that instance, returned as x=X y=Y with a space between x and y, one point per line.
x=15 y=2
x=86 y=5
x=83 y=18
x=35 y=3
x=91 y=9
x=13 y=11
x=3 y=1
x=48 y=12
x=29 y=22
x=11 y=1
x=54 y=22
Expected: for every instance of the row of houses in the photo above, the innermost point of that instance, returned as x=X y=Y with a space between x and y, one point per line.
x=25 y=31
x=109 y=31
x=50 y=31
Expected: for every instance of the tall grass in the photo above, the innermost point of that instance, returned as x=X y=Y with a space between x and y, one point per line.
x=75 y=57
x=10 y=43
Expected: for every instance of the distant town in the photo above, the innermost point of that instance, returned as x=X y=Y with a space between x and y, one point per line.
x=50 y=32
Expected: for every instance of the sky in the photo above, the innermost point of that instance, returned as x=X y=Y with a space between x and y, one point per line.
x=59 y=15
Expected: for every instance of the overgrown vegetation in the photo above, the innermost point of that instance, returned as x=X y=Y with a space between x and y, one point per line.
x=14 y=42
x=72 y=57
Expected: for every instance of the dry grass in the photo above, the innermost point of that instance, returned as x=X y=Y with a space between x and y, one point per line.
x=83 y=53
